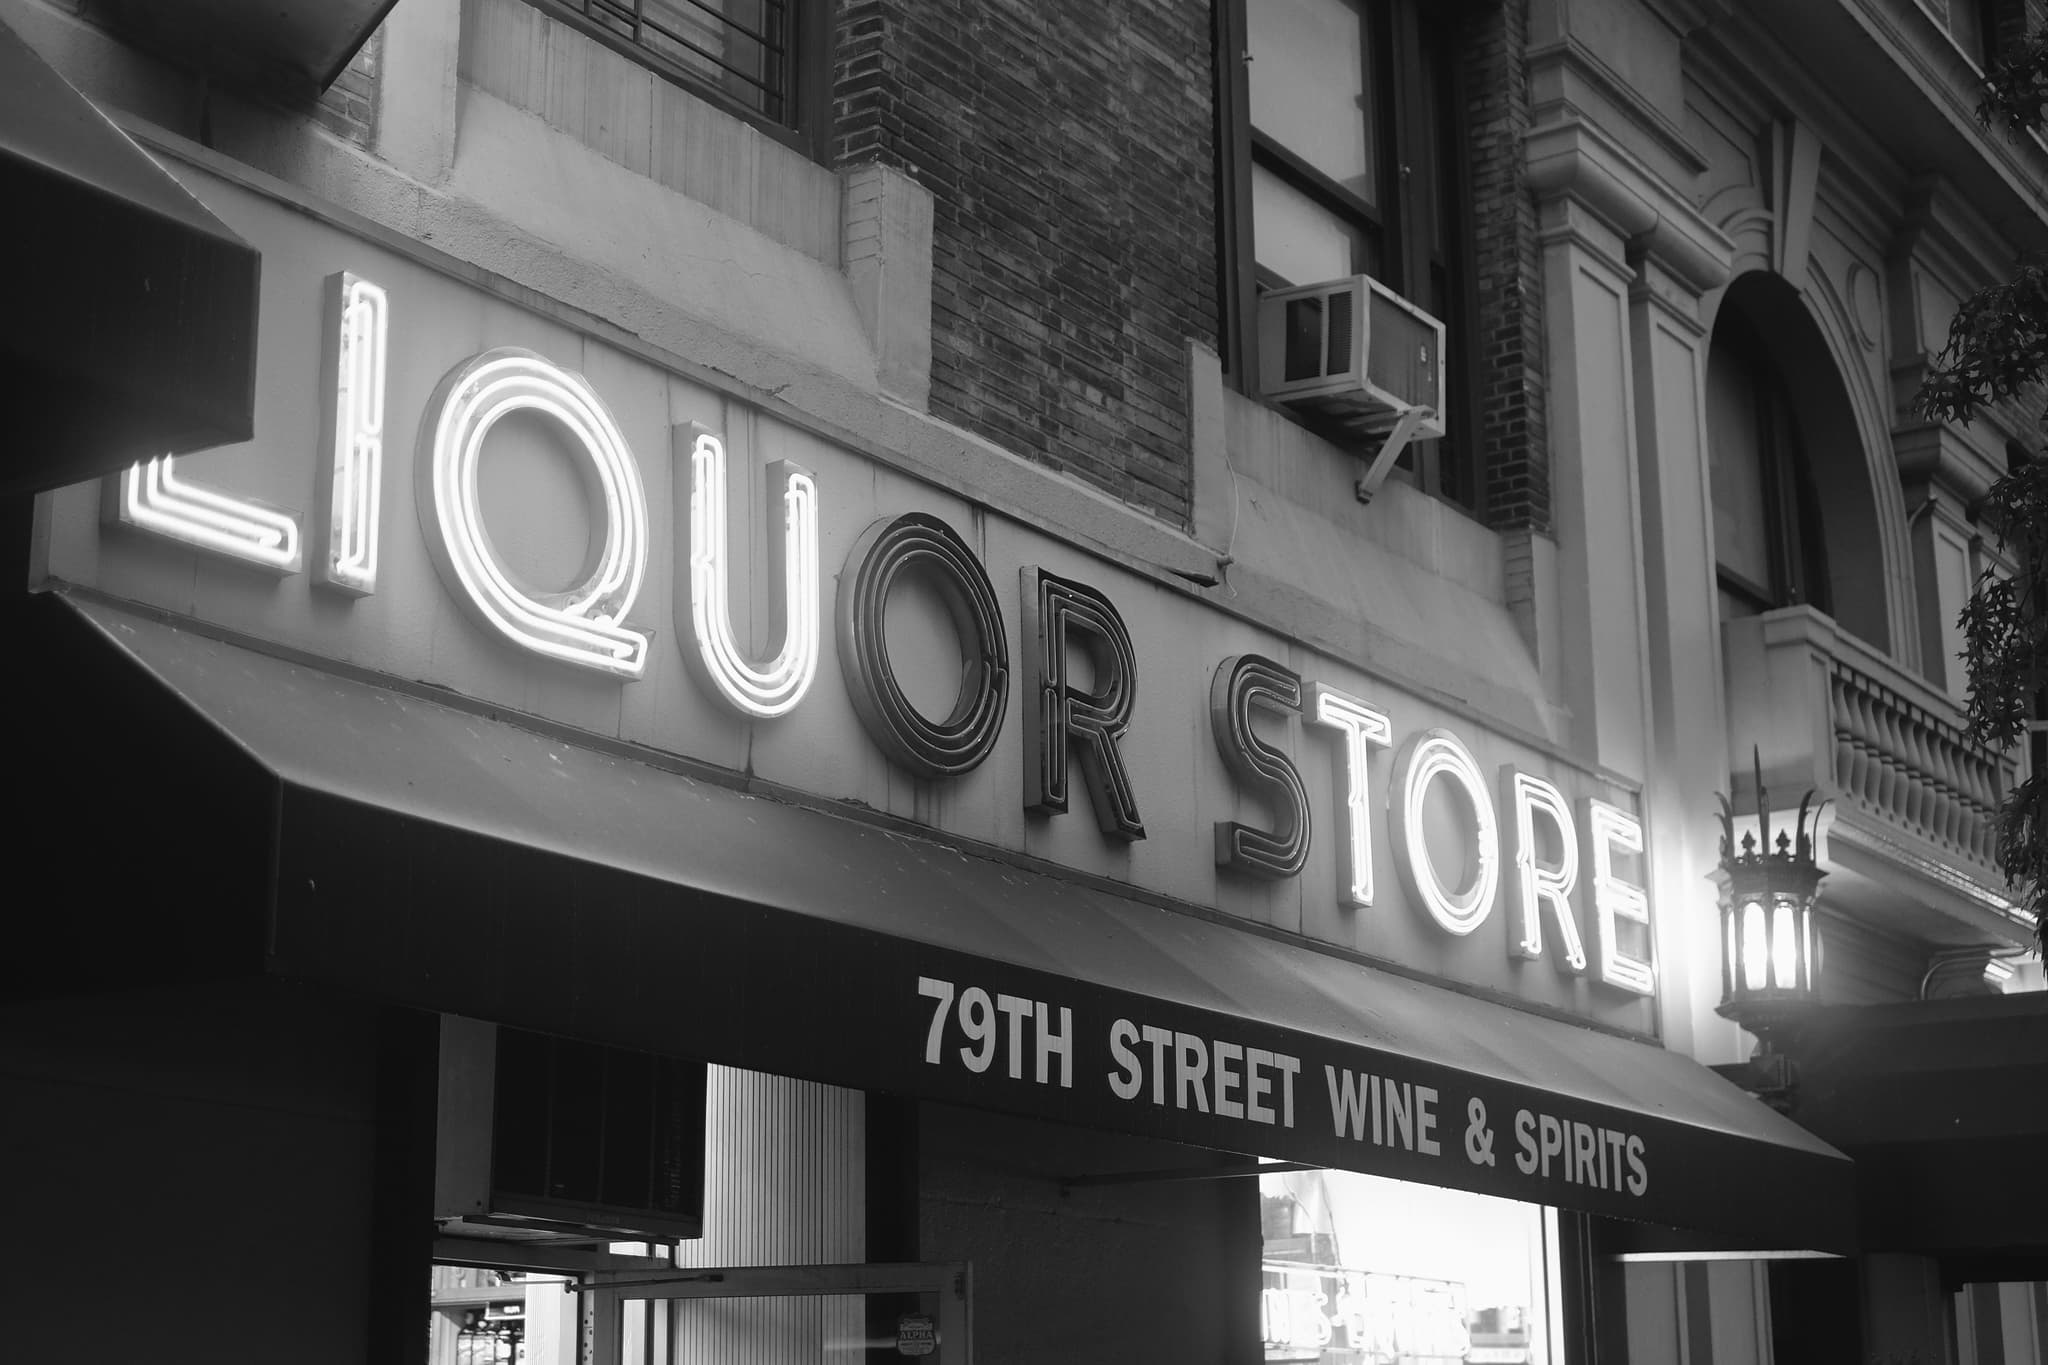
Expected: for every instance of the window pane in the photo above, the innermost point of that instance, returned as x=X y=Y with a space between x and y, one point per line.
x=1966 y=26
x=1742 y=526
x=1361 y=1269
x=1431 y=179
x=1298 y=239
x=1309 y=89
x=720 y=41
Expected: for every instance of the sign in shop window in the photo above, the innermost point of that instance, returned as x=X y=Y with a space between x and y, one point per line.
x=1359 y=1270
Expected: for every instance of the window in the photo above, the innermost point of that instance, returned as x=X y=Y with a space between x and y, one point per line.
x=1358 y=1268
x=1767 y=530
x=1974 y=26
x=748 y=55
x=600 y=1137
x=1339 y=123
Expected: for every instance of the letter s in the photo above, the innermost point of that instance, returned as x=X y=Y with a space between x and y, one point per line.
x=1525 y=1138
x=1121 y=1035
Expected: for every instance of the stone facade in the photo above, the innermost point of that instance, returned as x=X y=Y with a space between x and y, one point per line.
x=993 y=284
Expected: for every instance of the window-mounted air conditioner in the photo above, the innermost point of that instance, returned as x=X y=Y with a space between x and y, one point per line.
x=542 y=1139
x=1355 y=354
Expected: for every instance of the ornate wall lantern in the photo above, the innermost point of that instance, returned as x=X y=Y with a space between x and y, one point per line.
x=1770 y=947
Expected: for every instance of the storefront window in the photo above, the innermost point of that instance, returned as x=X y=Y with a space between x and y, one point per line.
x=1360 y=1270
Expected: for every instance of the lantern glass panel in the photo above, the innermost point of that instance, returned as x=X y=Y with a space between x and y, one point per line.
x=1756 y=948
x=1731 y=959
x=1784 y=946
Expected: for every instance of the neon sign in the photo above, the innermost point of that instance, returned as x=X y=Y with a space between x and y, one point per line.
x=1523 y=847
x=585 y=625
x=1428 y=757
x=151 y=497
x=353 y=437
x=774 y=688
x=912 y=543
x=1362 y=729
x=1609 y=828
x=1239 y=684
x=1062 y=717
x=1541 y=887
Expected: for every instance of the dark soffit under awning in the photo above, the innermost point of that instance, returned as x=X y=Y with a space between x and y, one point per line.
x=332 y=830
x=1944 y=1106
x=290 y=49
x=131 y=327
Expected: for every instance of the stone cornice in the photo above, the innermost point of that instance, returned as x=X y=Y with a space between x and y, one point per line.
x=1685 y=17
x=1939 y=455
x=1579 y=63
x=1569 y=158
x=1943 y=230
x=1927 y=51
x=1903 y=92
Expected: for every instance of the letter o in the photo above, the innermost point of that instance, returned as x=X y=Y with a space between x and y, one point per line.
x=1428 y=756
x=888 y=549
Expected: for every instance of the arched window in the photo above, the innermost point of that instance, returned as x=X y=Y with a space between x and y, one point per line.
x=1768 y=546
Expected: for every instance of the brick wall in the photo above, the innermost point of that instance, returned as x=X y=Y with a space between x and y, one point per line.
x=1068 y=145
x=1514 y=454
x=349 y=106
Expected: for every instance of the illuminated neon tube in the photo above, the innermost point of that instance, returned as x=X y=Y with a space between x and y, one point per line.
x=585 y=625
x=772 y=689
x=352 y=437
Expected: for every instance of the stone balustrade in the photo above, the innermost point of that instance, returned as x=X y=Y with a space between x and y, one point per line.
x=1828 y=711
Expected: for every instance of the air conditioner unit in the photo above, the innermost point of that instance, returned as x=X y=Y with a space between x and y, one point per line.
x=543 y=1139
x=1356 y=355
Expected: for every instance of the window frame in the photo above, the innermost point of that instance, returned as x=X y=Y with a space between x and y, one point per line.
x=1399 y=31
x=804 y=70
x=1980 y=46
x=1797 y=544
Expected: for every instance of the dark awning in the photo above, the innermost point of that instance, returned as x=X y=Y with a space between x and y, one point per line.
x=292 y=49
x=131 y=326
x=1944 y=1106
x=337 y=830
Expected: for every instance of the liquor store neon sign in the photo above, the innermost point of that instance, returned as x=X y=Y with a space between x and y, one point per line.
x=1528 y=853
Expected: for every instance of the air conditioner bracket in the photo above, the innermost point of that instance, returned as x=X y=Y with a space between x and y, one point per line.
x=1390 y=450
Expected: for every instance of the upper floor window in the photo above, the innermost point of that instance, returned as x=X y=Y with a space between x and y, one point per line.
x=1339 y=125
x=746 y=55
x=1974 y=26
x=1768 y=544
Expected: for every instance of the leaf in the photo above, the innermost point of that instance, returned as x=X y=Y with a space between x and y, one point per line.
x=1997 y=353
